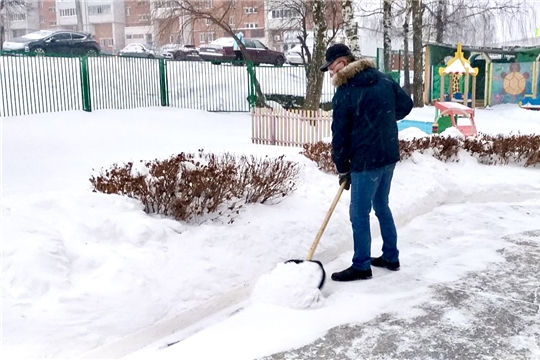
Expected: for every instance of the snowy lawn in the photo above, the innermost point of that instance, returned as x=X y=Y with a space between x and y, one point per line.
x=88 y=274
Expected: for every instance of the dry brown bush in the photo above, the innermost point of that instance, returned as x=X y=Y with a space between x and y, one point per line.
x=519 y=149
x=195 y=188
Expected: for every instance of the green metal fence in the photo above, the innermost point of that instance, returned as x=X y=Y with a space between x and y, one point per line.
x=124 y=83
x=30 y=85
x=203 y=85
x=36 y=84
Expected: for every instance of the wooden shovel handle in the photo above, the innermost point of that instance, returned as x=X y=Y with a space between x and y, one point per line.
x=325 y=222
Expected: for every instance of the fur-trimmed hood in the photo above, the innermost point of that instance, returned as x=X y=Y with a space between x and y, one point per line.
x=350 y=71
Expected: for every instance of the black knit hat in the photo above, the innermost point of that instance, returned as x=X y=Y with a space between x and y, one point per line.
x=333 y=52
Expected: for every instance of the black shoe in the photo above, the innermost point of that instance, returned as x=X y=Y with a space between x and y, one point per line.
x=352 y=274
x=380 y=262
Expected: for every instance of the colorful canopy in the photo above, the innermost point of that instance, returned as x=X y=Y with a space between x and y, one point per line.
x=458 y=65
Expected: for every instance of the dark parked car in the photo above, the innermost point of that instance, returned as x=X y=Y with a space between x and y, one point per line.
x=182 y=52
x=221 y=50
x=63 y=42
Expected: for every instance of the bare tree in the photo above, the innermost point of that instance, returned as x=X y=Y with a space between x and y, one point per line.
x=294 y=19
x=456 y=20
x=8 y=9
x=418 y=88
x=387 y=30
x=171 y=12
x=297 y=20
x=315 y=77
x=350 y=27
x=406 y=54
x=321 y=18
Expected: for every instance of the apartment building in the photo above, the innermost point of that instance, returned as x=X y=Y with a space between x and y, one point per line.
x=284 y=22
x=247 y=16
x=116 y=23
x=20 y=19
x=139 y=27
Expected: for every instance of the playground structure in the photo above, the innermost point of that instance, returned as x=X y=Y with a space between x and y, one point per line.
x=448 y=113
x=455 y=69
x=508 y=75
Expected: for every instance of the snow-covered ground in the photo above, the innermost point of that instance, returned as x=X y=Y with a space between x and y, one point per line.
x=91 y=275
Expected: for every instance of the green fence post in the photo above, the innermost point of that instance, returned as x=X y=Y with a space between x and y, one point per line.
x=163 y=85
x=85 y=84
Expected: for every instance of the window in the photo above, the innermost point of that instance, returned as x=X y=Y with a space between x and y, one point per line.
x=250 y=10
x=211 y=37
x=231 y=21
x=52 y=9
x=258 y=44
x=285 y=14
x=164 y=4
x=99 y=9
x=61 y=36
x=41 y=19
x=17 y=17
x=128 y=11
x=68 y=12
x=207 y=3
x=52 y=23
x=208 y=22
x=129 y=36
x=202 y=37
x=106 y=42
x=141 y=2
x=143 y=17
x=251 y=25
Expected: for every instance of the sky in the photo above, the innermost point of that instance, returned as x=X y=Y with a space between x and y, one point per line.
x=91 y=275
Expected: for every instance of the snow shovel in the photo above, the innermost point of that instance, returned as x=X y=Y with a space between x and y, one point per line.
x=309 y=256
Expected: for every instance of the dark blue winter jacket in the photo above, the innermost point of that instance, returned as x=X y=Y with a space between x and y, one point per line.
x=366 y=106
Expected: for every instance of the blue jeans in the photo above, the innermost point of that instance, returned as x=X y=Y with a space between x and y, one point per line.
x=372 y=188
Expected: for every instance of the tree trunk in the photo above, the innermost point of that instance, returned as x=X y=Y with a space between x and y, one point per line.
x=418 y=95
x=2 y=29
x=350 y=28
x=439 y=21
x=316 y=77
x=387 y=27
x=78 y=10
x=406 y=55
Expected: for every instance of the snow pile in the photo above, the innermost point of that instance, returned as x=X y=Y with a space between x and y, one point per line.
x=411 y=133
x=291 y=284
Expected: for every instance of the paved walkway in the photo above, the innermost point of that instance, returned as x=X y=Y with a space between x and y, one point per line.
x=492 y=314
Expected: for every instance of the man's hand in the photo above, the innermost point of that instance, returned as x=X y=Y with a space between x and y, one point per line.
x=345 y=177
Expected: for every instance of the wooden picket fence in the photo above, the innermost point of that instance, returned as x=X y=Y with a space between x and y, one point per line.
x=289 y=127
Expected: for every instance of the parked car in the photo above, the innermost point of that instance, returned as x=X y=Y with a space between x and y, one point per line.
x=63 y=42
x=137 y=50
x=182 y=52
x=221 y=50
x=294 y=55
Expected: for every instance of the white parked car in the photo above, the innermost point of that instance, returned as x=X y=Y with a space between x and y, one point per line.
x=294 y=55
x=137 y=50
